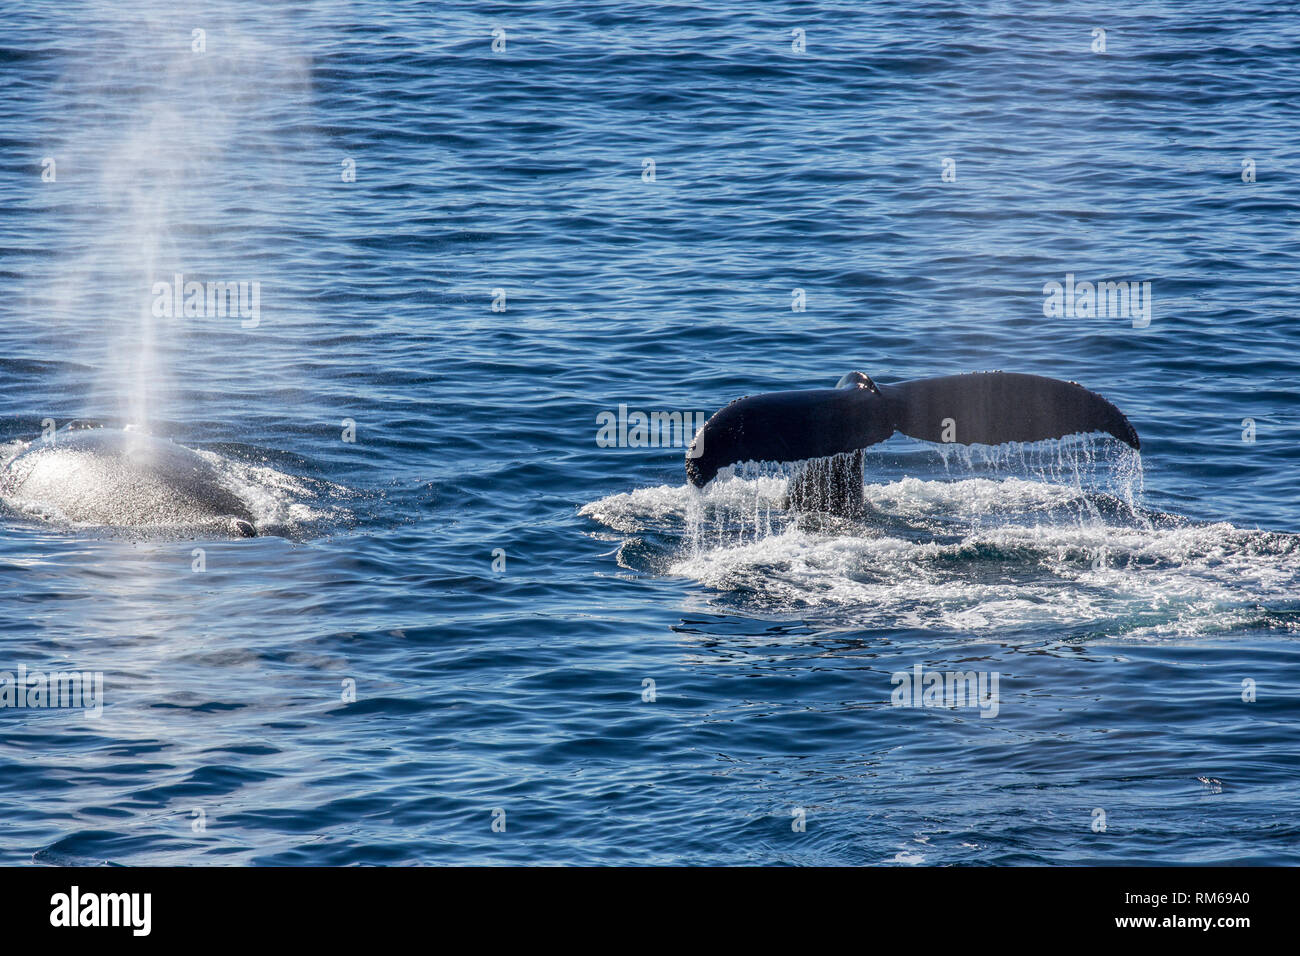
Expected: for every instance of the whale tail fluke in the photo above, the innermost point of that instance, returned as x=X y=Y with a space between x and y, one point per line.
x=787 y=426
x=989 y=408
x=992 y=408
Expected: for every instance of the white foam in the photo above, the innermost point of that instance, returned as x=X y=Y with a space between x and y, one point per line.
x=278 y=500
x=975 y=554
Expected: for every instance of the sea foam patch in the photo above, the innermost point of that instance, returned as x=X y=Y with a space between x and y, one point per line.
x=975 y=554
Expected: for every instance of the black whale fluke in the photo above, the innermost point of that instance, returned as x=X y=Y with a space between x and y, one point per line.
x=987 y=408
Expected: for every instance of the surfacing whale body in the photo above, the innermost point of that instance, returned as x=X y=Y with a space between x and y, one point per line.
x=112 y=478
x=829 y=427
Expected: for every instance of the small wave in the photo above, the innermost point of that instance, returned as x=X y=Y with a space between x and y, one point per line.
x=281 y=503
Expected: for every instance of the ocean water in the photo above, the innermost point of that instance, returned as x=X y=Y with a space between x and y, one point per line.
x=471 y=634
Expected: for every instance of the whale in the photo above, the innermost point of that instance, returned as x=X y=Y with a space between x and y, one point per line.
x=827 y=429
x=123 y=479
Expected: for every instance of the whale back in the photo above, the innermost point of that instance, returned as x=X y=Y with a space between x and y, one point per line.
x=123 y=479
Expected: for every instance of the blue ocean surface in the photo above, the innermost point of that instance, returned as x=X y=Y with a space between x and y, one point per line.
x=469 y=632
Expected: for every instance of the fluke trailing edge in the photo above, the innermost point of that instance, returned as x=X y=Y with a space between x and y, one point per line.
x=987 y=408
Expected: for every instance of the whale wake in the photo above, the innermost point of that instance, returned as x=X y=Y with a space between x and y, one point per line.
x=975 y=553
